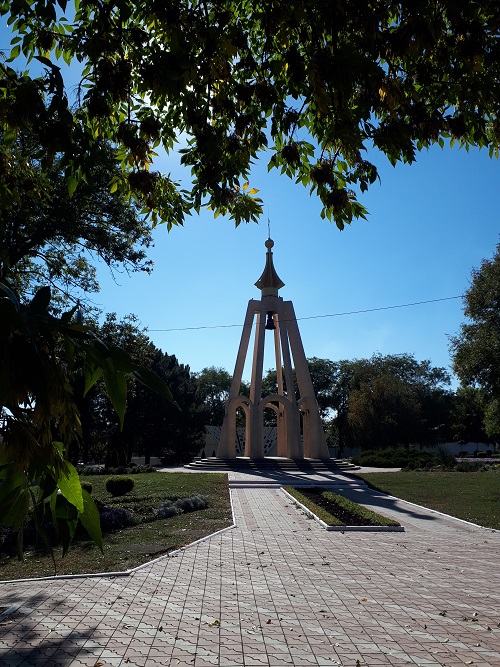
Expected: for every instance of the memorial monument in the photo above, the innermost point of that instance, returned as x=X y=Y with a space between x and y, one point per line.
x=300 y=431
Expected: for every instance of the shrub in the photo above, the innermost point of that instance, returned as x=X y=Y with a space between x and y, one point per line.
x=167 y=509
x=119 y=486
x=130 y=470
x=114 y=518
x=408 y=459
x=87 y=486
x=469 y=466
x=90 y=470
x=192 y=503
x=173 y=506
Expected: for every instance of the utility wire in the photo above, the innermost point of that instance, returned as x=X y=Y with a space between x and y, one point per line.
x=316 y=317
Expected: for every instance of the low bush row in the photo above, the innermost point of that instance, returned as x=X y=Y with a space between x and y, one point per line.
x=182 y=505
x=111 y=518
x=408 y=459
x=412 y=459
x=131 y=469
x=115 y=518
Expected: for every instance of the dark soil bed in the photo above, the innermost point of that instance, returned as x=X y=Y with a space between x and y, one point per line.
x=345 y=516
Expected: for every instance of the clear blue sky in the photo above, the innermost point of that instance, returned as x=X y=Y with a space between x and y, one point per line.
x=430 y=223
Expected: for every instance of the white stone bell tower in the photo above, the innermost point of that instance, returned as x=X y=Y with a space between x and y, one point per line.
x=274 y=314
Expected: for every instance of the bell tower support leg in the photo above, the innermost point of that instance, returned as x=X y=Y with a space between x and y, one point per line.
x=314 y=435
x=226 y=447
x=254 y=447
x=294 y=445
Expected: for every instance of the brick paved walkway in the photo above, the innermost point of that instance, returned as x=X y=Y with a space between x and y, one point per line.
x=276 y=590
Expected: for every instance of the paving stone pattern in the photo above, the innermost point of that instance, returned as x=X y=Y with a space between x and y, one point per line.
x=276 y=590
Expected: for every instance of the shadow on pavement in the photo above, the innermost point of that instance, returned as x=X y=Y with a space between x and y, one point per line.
x=26 y=639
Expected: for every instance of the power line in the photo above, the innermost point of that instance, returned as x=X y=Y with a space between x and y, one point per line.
x=316 y=317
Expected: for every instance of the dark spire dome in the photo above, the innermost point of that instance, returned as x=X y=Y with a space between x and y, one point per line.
x=269 y=282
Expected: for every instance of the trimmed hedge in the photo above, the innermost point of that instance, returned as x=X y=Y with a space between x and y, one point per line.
x=408 y=459
x=87 y=486
x=119 y=486
x=132 y=469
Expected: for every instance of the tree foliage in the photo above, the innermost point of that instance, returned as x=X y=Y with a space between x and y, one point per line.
x=390 y=400
x=476 y=348
x=383 y=401
x=384 y=412
x=468 y=415
x=102 y=437
x=175 y=433
x=39 y=418
x=48 y=237
x=213 y=385
x=151 y=427
x=312 y=83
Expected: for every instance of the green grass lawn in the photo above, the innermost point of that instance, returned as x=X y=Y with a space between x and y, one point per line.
x=473 y=496
x=129 y=547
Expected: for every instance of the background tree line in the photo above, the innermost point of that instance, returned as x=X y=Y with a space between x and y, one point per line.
x=383 y=401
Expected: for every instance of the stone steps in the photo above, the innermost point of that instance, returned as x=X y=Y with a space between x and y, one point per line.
x=276 y=464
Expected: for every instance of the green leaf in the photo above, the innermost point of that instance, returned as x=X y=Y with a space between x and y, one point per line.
x=11 y=478
x=121 y=359
x=70 y=487
x=7 y=292
x=92 y=374
x=47 y=487
x=90 y=519
x=65 y=516
x=40 y=301
x=72 y=185
x=14 y=508
x=116 y=388
x=68 y=315
x=154 y=382
x=45 y=61
x=14 y=53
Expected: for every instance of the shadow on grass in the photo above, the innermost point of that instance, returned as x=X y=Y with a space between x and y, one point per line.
x=27 y=638
x=374 y=498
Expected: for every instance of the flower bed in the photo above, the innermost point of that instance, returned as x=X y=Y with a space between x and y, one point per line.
x=335 y=512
